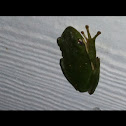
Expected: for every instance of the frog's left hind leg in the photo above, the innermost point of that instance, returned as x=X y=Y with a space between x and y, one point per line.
x=95 y=77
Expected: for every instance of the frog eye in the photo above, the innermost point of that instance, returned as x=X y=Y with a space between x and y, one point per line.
x=80 y=41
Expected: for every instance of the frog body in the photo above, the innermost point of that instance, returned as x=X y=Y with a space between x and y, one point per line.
x=79 y=64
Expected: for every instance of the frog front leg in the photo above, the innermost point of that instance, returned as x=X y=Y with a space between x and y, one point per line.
x=90 y=46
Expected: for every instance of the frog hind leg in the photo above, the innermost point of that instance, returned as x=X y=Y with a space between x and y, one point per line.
x=62 y=65
x=66 y=73
x=63 y=69
x=95 y=77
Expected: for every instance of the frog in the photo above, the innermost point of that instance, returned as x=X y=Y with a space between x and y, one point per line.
x=79 y=62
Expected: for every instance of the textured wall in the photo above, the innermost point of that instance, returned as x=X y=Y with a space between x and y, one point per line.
x=30 y=75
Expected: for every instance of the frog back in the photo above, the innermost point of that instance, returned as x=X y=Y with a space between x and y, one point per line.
x=75 y=64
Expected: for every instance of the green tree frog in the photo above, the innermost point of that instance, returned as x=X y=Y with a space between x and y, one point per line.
x=79 y=63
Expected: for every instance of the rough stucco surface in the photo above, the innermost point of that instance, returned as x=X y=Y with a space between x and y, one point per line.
x=30 y=75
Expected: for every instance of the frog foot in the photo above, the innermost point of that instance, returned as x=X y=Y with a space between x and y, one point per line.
x=88 y=33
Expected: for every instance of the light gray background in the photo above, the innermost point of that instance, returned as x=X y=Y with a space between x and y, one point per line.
x=30 y=75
